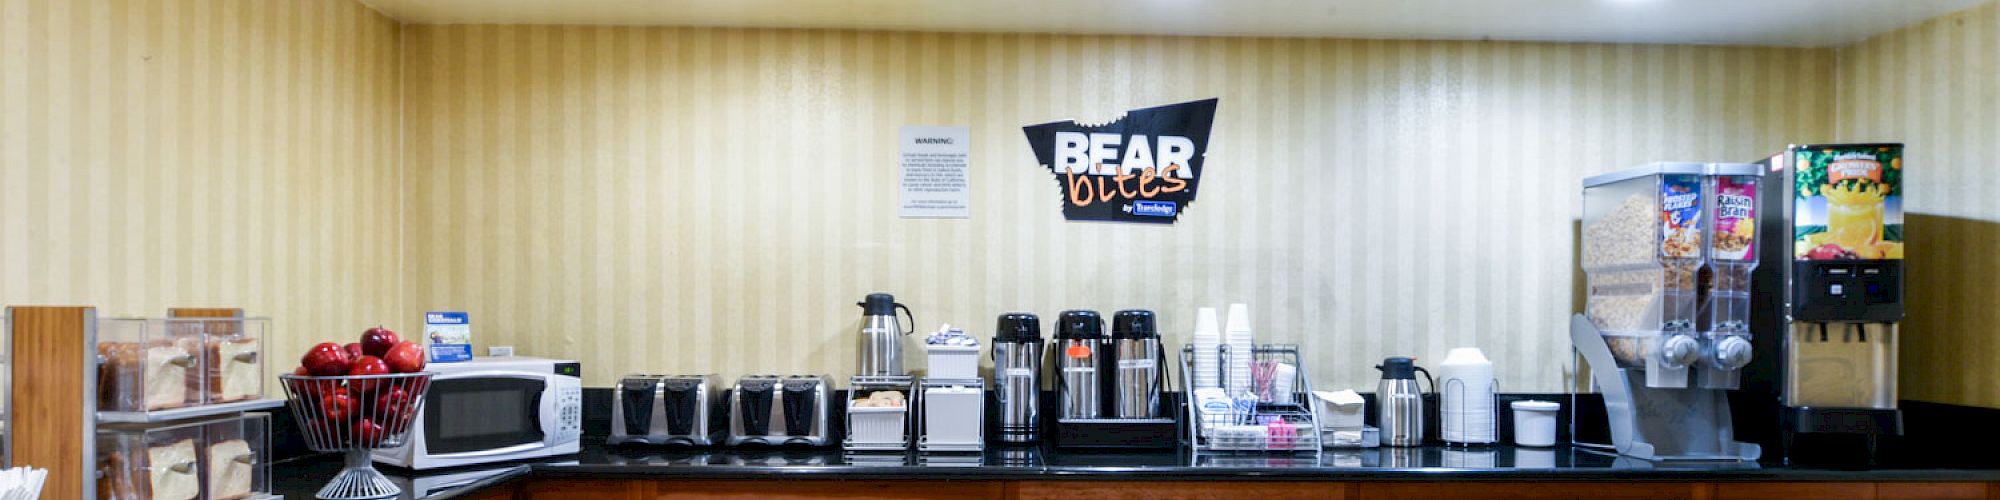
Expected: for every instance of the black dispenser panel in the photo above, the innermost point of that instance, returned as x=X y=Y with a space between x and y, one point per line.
x=755 y=406
x=1848 y=290
x=682 y=400
x=801 y=402
x=638 y=405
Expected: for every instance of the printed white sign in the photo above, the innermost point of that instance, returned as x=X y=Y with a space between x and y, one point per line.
x=935 y=161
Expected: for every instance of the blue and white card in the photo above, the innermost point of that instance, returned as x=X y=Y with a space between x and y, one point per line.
x=449 y=335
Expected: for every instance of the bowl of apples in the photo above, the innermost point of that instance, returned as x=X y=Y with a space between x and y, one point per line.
x=354 y=398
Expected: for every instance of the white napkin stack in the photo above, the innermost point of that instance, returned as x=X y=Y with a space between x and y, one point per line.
x=22 y=483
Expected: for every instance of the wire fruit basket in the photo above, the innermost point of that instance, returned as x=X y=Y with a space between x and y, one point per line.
x=354 y=414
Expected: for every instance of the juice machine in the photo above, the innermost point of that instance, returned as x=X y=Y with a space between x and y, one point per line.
x=1666 y=252
x=1829 y=300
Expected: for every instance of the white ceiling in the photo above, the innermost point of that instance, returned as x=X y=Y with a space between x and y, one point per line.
x=1733 y=22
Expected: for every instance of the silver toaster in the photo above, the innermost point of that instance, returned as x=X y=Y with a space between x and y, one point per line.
x=773 y=410
x=668 y=410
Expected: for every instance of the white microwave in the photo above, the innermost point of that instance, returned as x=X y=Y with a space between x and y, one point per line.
x=494 y=410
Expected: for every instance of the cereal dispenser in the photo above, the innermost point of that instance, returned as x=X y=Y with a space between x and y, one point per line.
x=1666 y=257
x=1830 y=298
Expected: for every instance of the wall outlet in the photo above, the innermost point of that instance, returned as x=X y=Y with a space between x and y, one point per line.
x=499 y=351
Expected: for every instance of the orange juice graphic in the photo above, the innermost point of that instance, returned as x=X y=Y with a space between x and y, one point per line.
x=1854 y=215
x=1858 y=186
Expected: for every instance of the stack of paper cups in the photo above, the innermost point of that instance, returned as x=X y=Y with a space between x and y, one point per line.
x=1237 y=336
x=1207 y=360
x=1466 y=387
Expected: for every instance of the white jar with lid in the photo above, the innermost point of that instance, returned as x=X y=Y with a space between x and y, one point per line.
x=1535 y=423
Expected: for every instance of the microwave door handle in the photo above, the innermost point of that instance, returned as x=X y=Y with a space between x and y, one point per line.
x=545 y=411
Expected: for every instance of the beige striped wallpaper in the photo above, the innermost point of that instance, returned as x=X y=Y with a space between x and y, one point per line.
x=167 y=153
x=716 y=200
x=1936 y=87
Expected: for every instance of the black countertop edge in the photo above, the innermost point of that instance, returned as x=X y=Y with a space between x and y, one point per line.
x=300 y=478
x=1328 y=474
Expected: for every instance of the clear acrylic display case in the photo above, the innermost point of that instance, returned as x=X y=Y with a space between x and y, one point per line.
x=1642 y=249
x=1724 y=316
x=223 y=458
x=156 y=369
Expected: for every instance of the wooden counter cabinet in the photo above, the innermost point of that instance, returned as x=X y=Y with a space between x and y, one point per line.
x=568 y=488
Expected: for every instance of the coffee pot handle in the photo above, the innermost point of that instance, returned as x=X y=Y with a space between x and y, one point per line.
x=913 y=319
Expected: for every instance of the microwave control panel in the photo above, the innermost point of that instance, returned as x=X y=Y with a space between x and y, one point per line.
x=569 y=402
x=569 y=413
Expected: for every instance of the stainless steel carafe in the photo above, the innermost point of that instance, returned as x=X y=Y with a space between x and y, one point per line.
x=1399 y=405
x=1135 y=385
x=1079 y=335
x=1017 y=376
x=882 y=335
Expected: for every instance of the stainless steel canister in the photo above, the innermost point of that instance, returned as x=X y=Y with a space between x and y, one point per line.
x=1136 y=381
x=1078 y=338
x=881 y=336
x=1017 y=376
x=1399 y=404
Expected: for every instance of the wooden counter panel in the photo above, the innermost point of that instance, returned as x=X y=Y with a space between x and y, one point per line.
x=1931 y=491
x=1506 y=490
x=584 y=489
x=1188 y=490
x=785 y=489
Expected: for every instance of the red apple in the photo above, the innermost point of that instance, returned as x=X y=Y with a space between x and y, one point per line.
x=326 y=359
x=302 y=388
x=336 y=406
x=367 y=433
x=301 y=371
x=377 y=341
x=353 y=350
x=405 y=357
x=318 y=430
x=367 y=365
x=392 y=407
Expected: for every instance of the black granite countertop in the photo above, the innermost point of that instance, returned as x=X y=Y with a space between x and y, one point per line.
x=299 y=478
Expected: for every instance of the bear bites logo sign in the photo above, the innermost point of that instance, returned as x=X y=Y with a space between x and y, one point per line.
x=1143 y=167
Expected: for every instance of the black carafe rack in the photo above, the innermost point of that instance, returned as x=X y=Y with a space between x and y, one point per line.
x=1107 y=430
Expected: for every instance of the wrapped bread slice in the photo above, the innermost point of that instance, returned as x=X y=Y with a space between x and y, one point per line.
x=174 y=475
x=230 y=469
x=234 y=371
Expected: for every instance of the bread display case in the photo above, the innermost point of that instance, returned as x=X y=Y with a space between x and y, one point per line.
x=223 y=458
x=159 y=369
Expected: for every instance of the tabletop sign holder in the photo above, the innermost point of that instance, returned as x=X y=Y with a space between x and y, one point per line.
x=55 y=406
